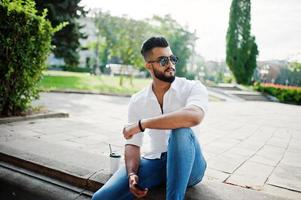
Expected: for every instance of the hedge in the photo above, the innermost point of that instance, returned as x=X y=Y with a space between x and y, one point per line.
x=24 y=46
x=70 y=69
x=285 y=94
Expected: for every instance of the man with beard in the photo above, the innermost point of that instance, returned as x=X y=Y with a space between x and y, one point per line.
x=169 y=112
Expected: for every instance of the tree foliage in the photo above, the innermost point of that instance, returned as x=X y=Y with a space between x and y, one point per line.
x=241 y=46
x=66 y=41
x=24 y=45
x=121 y=38
x=181 y=40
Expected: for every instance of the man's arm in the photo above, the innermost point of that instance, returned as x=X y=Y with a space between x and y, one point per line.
x=186 y=117
x=132 y=160
x=183 y=118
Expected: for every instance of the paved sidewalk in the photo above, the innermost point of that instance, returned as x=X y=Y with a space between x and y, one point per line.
x=255 y=145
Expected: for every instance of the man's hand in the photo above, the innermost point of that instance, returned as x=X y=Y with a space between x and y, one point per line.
x=133 y=184
x=130 y=130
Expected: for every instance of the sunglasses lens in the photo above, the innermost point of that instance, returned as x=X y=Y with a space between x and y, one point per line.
x=174 y=59
x=164 y=61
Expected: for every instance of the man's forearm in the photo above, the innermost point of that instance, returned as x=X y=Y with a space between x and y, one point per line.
x=186 y=117
x=132 y=158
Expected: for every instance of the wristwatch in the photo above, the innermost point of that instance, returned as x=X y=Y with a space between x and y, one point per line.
x=130 y=174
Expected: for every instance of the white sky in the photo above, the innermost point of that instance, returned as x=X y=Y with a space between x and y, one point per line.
x=275 y=23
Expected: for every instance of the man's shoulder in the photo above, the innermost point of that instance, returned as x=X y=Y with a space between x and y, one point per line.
x=140 y=95
x=183 y=83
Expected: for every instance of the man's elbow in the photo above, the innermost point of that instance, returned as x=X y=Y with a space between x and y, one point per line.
x=197 y=116
x=196 y=120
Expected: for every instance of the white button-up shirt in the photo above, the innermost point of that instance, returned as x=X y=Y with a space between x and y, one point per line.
x=144 y=104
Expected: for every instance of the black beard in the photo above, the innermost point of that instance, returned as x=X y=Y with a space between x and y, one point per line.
x=162 y=77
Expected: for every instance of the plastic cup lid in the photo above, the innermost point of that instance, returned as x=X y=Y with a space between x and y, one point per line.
x=114 y=155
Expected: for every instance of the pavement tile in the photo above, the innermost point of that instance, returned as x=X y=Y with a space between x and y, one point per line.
x=208 y=155
x=241 y=134
x=266 y=160
x=221 y=145
x=54 y=137
x=282 y=133
x=270 y=150
x=296 y=133
x=80 y=132
x=295 y=144
x=227 y=164
x=251 y=175
x=250 y=145
x=216 y=175
x=292 y=159
x=269 y=155
x=279 y=142
x=215 y=148
x=92 y=139
x=286 y=176
x=102 y=148
x=6 y=134
x=241 y=151
x=63 y=158
x=282 y=192
x=72 y=144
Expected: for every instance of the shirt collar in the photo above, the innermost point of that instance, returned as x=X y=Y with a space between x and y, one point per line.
x=174 y=85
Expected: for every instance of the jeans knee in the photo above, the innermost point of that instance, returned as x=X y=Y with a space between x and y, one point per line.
x=100 y=194
x=181 y=135
x=181 y=132
x=94 y=197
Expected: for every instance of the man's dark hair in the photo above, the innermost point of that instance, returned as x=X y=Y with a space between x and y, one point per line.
x=151 y=43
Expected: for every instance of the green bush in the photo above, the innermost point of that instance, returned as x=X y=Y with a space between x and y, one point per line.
x=77 y=69
x=24 y=45
x=70 y=69
x=285 y=94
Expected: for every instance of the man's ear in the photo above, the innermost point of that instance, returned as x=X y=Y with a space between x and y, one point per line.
x=148 y=65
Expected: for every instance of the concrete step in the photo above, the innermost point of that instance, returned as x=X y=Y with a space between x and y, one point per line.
x=19 y=184
x=227 y=87
x=17 y=181
x=249 y=95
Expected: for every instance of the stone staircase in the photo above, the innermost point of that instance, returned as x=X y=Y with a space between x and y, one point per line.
x=240 y=93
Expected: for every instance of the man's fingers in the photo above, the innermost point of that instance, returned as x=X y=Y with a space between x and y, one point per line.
x=127 y=136
x=136 y=190
x=139 y=193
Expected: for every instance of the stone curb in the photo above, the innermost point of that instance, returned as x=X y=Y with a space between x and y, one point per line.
x=100 y=93
x=5 y=120
x=88 y=92
x=65 y=177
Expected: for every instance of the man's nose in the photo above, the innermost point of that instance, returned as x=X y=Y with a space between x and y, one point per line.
x=170 y=63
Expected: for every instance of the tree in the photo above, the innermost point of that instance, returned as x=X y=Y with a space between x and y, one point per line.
x=241 y=47
x=121 y=38
x=66 y=41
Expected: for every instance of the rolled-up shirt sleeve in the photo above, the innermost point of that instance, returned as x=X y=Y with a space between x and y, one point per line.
x=133 y=117
x=198 y=96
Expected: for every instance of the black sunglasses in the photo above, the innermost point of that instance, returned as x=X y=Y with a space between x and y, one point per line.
x=164 y=60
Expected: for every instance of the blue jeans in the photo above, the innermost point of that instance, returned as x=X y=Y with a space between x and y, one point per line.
x=182 y=166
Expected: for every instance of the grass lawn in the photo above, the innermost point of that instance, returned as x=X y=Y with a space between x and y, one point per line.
x=60 y=80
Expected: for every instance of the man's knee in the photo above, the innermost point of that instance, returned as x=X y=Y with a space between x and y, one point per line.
x=96 y=196
x=181 y=136
x=102 y=193
x=181 y=132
